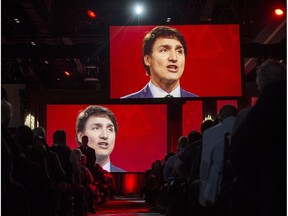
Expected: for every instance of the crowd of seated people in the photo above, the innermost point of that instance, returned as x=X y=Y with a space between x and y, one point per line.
x=42 y=180
x=169 y=186
x=236 y=166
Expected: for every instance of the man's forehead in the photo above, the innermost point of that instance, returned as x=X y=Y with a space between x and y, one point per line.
x=167 y=41
x=100 y=119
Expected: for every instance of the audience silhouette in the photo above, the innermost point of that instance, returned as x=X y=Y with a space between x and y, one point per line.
x=236 y=165
x=169 y=172
x=14 y=196
x=212 y=157
x=258 y=148
x=89 y=185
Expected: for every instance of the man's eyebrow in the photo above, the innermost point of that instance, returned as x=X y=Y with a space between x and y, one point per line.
x=97 y=124
x=110 y=125
x=179 y=47
x=102 y=125
x=168 y=46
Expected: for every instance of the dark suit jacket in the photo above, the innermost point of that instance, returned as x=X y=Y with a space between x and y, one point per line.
x=115 y=169
x=146 y=93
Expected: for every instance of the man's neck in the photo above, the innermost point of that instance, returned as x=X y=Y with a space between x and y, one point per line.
x=166 y=86
x=102 y=161
x=157 y=92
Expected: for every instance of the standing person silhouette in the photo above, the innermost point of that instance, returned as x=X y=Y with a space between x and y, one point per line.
x=88 y=152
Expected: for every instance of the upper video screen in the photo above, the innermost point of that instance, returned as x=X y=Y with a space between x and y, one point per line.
x=190 y=61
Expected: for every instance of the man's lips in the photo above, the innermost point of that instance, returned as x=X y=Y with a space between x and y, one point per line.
x=172 y=68
x=103 y=145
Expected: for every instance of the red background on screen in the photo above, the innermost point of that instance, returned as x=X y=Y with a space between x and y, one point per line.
x=141 y=138
x=191 y=116
x=212 y=65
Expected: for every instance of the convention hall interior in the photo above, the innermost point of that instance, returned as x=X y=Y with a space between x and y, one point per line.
x=59 y=57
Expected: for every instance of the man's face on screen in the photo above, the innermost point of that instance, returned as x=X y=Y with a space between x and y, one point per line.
x=102 y=135
x=166 y=62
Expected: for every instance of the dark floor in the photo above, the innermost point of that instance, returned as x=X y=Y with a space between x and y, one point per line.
x=125 y=206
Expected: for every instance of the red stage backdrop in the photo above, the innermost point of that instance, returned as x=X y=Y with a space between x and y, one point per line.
x=213 y=63
x=141 y=139
x=192 y=116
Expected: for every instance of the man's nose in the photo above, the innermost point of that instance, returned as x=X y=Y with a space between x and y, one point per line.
x=104 y=134
x=173 y=56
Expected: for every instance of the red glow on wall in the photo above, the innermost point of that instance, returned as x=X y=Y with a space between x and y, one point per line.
x=131 y=183
x=91 y=14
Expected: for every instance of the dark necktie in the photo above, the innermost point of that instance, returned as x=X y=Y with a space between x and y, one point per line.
x=169 y=96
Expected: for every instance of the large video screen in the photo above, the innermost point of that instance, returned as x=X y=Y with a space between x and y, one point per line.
x=212 y=64
x=141 y=138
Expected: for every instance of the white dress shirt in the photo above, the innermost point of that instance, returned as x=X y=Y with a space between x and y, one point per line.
x=160 y=93
x=107 y=166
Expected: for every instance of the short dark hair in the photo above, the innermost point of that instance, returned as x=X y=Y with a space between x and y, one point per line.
x=270 y=71
x=194 y=136
x=59 y=137
x=207 y=124
x=160 y=32
x=94 y=110
x=182 y=142
x=227 y=111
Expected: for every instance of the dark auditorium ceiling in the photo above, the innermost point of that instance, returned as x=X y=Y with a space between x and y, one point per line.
x=66 y=39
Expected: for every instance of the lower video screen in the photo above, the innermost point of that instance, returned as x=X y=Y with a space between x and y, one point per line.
x=140 y=140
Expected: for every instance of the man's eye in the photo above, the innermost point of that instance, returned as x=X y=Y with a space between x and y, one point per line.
x=163 y=50
x=111 y=129
x=95 y=128
x=180 y=51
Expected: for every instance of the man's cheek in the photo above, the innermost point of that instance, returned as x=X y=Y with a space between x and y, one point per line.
x=92 y=142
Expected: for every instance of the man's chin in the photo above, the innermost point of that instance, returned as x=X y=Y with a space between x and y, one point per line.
x=172 y=81
x=102 y=155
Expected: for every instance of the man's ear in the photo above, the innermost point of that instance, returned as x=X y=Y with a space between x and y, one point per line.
x=147 y=60
x=79 y=137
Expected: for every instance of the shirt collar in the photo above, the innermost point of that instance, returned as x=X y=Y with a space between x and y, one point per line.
x=160 y=93
x=107 y=166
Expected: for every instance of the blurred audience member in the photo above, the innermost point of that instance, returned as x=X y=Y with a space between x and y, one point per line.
x=212 y=157
x=169 y=172
x=78 y=190
x=258 y=148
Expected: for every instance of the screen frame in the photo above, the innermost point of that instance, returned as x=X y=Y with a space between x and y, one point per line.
x=116 y=103
x=240 y=61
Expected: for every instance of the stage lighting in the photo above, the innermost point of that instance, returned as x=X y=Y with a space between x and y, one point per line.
x=138 y=9
x=67 y=73
x=91 y=14
x=278 y=12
